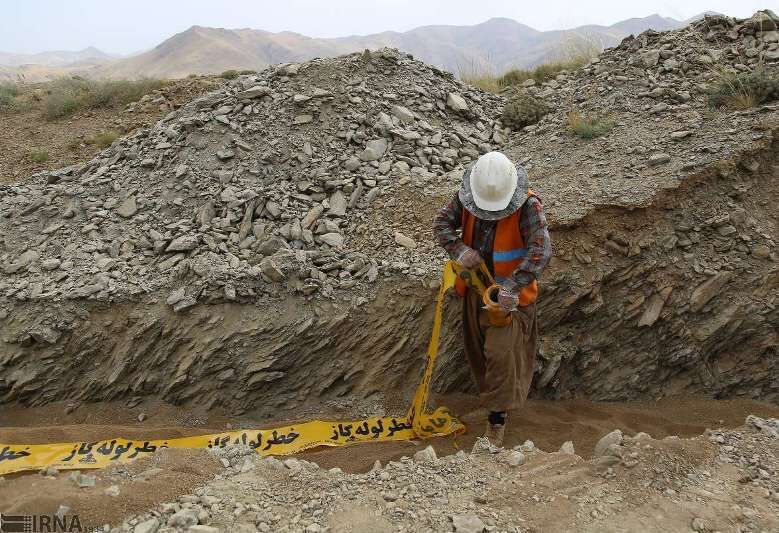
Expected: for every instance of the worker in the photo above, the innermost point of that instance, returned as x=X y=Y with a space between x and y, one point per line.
x=494 y=218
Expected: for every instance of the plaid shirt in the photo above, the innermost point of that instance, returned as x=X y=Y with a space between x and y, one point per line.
x=532 y=226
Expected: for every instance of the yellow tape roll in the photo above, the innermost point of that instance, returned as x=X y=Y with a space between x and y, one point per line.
x=275 y=441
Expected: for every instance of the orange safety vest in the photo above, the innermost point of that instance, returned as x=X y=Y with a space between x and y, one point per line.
x=508 y=249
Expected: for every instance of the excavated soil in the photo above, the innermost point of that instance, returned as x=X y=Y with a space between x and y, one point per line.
x=149 y=482
x=633 y=323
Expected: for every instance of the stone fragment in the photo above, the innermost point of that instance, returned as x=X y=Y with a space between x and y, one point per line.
x=338 y=204
x=335 y=240
x=312 y=216
x=181 y=170
x=44 y=334
x=32 y=207
x=567 y=448
x=658 y=159
x=184 y=303
x=482 y=445
x=24 y=260
x=83 y=480
x=606 y=443
x=650 y=58
x=425 y=456
x=679 y=135
x=257 y=91
x=403 y=113
x=655 y=307
x=183 y=243
x=112 y=491
x=374 y=149
x=515 y=458
x=170 y=262
x=405 y=242
x=127 y=208
x=183 y=519
x=467 y=523
x=272 y=270
x=225 y=155
x=707 y=290
x=147 y=526
x=456 y=102
x=352 y=164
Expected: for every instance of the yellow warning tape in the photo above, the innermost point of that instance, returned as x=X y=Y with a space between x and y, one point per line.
x=275 y=441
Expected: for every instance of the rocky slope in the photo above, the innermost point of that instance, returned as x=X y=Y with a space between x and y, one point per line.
x=666 y=254
x=282 y=221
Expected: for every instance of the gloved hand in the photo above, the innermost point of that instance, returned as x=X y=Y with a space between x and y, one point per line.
x=469 y=258
x=507 y=299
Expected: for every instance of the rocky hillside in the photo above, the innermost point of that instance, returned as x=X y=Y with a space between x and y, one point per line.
x=283 y=221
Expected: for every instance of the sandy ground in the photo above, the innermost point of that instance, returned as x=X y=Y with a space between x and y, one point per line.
x=547 y=423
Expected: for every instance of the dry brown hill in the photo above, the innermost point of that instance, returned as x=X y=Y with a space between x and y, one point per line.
x=492 y=46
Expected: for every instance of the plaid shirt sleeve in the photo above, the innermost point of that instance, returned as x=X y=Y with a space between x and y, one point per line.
x=535 y=233
x=445 y=228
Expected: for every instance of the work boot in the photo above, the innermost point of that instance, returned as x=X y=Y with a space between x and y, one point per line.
x=494 y=433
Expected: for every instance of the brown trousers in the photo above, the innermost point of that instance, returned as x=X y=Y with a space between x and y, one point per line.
x=502 y=359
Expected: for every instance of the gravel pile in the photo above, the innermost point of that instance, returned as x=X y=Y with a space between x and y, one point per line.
x=261 y=186
x=492 y=489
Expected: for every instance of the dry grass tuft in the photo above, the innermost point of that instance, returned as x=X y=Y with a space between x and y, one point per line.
x=744 y=90
x=589 y=125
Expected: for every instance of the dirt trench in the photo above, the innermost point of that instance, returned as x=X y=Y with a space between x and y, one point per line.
x=679 y=297
x=284 y=357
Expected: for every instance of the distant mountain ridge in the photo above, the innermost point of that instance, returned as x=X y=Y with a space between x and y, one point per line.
x=57 y=58
x=495 y=45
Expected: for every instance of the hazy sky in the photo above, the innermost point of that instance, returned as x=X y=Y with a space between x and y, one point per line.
x=125 y=26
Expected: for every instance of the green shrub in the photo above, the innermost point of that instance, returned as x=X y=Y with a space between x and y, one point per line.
x=542 y=73
x=104 y=139
x=8 y=93
x=61 y=104
x=589 y=125
x=68 y=95
x=523 y=110
x=744 y=90
x=229 y=74
x=247 y=72
x=73 y=144
x=120 y=93
x=38 y=156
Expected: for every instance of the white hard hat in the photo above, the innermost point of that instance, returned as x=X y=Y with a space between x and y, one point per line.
x=493 y=181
